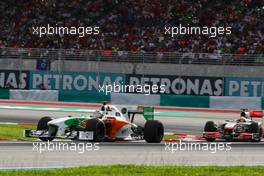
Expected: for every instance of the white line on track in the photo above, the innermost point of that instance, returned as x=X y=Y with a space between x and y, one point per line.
x=31 y=168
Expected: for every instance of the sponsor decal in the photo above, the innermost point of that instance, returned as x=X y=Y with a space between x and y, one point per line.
x=180 y=85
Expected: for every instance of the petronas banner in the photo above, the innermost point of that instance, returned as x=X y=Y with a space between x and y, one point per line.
x=73 y=81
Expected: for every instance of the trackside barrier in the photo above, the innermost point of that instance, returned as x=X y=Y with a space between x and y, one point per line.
x=4 y=93
x=262 y=102
x=41 y=95
x=135 y=99
x=184 y=101
x=83 y=96
x=217 y=102
x=229 y=102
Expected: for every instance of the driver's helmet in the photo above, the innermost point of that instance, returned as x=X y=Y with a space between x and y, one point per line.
x=97 y=114
x=245 y=113
x=243 y=116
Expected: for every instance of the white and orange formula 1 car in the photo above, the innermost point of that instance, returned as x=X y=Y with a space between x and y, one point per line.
x=106 y=124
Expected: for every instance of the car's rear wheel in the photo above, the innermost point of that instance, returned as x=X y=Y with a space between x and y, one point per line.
x=98 y=129
x=254 y=128
x=210 y=127
x=43 y=125
x=153 y=131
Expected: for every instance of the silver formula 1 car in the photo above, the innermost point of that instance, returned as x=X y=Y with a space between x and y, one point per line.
x=247 y=127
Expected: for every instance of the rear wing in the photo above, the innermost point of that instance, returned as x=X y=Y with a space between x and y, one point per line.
x=147 y=111
x=251 y=114
x=256 y=114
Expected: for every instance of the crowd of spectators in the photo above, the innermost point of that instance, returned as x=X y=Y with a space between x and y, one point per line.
x=136 y=25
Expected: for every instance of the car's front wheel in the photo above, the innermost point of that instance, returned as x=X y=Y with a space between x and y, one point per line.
x=210 y=127
x=98 y=129
x=43 y=125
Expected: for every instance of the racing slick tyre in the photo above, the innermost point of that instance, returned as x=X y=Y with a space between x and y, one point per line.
x=153 y=131
x=210 y=127
x=254 y=128
x=98 y=128
x=43 y=125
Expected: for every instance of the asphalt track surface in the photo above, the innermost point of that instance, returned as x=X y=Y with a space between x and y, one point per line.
x=24 y=155
x=14 y=155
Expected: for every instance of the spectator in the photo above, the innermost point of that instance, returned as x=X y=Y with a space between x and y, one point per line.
x=135 y=25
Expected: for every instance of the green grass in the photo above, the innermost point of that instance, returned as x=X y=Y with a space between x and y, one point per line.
x=14 y=132
x=143 y=171
x=171 y=137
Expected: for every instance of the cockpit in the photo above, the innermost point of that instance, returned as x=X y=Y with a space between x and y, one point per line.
x=110 y=110
x=107 y=111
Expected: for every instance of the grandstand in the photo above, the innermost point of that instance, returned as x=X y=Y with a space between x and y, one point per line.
x=132 y=39
x=136 y=25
